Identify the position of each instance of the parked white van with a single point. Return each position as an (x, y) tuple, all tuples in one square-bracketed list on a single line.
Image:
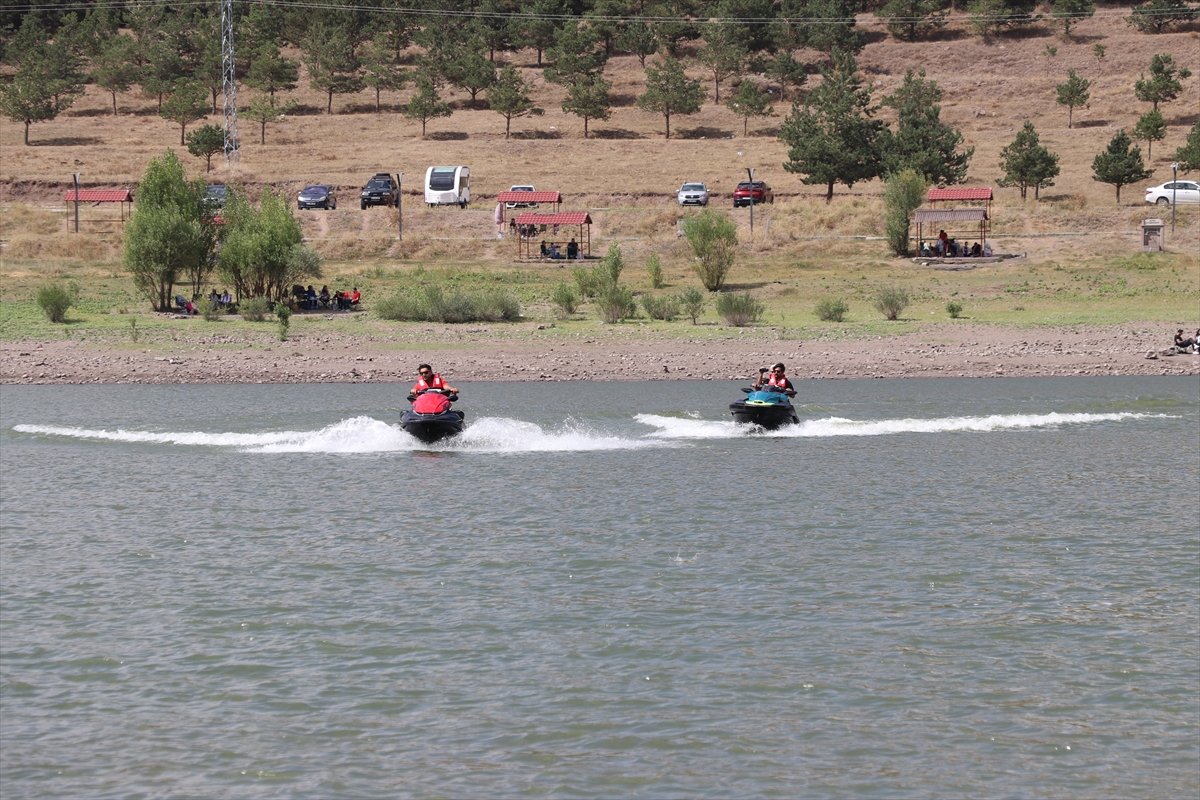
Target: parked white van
[(448, 186)]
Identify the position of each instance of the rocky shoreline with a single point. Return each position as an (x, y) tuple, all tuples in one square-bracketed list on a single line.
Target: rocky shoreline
[(532, 354)]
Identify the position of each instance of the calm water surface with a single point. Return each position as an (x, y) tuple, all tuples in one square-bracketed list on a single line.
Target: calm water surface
[(937, 588)]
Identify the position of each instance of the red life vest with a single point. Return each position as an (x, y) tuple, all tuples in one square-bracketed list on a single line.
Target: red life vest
[(435, 382), (779, 381)]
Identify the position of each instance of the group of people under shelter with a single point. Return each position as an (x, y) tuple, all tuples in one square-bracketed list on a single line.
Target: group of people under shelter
[(311, 299), (945, 247)]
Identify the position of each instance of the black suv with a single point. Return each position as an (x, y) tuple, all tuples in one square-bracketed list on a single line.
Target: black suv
[(380, 191)]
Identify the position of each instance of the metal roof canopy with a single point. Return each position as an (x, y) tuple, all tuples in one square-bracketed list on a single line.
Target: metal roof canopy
[(935, 216), (97, 196), (530, 197), (535, 220), (983, 193)]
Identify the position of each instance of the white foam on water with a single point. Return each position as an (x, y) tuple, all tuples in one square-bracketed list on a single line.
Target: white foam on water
[(367, 435), (673, 428)]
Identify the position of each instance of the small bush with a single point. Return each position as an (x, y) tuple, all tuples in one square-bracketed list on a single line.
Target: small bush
[(739, 310), (832, 309), (654, 269), (210, 312), (615, 302), (399, 307), (564, 299), (954, 309), (255, 309), (664, 307), (54, 299), (691, 301), (586, 280), (283, 314), (891, 300)]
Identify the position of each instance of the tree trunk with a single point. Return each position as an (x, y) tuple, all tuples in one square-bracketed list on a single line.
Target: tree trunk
[(1118, 195), (376, 99), (668, 116), (114, 94), (182, 131), (745, 126), (208, 162), (263, 133), (828, 194), (585, 120), (214, 94), (1070, 116), (507, 124), (27, 133), (329, 104)]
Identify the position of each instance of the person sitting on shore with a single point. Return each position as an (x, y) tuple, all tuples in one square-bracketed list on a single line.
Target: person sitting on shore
[(214, 299), (323, 297), (226, 299), (355, 298), (1185, 345), (976, 250), (428, 379), (776, 380), (572, 249)]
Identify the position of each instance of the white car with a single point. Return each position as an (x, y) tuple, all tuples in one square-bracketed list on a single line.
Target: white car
[(521, 205), (1177, 191), (693, 194)]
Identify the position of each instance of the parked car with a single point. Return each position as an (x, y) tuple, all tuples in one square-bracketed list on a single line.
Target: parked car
[(215, 197), (693, 194), (748, 193), (381, 190), (1179, 191), (521, 205), (316, 196)]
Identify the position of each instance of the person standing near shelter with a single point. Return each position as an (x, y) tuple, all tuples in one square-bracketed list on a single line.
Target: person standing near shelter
[(499, 219)]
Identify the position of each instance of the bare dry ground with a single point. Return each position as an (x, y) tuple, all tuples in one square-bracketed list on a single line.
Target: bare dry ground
[(1075, 242)]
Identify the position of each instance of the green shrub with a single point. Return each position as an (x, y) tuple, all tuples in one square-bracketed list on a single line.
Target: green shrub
[(832, 309), (210, 312), (713, 238), (255, 309), (739, 310), (564, 299), (665, 307), (891, 300), (434, 305), (654, 269), (54, 299), (954, 309), (615, 302), (691, 301), (586, 280), (903, 193), (283, 314)]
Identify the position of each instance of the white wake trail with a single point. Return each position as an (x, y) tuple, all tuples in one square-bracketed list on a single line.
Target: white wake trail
[(673, 428)]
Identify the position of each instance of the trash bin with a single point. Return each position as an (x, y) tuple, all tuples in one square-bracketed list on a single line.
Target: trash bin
[(1152, 235)]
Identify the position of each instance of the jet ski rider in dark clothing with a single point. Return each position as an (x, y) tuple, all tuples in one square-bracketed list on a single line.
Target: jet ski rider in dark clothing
[(775, 380)]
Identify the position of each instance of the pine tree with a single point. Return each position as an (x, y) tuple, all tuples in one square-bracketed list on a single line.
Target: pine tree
[(1120, 164), (1150, 128), (509, 97), (1164, 84), (426, 104), (786, 71), (114, 69), (206, 142), (1159, 16), (913, 20), (470, 71), (749, 101), (832, 138), (188, 102), (669, 91), (638, 40), (265, 110), (1068, 12), (270, 71), (381, 69), (825, 25), (1073, 93), (723, 55), (1027, 163), (1188, 156), (577, 53), (332, 62), (922, 142), (588, 99)]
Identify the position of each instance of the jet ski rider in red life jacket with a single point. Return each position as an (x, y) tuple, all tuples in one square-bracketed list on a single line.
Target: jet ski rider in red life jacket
[(776, 380), (429, 380)]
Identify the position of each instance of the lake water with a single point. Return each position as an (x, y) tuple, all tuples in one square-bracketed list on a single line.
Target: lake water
[(931, 588)]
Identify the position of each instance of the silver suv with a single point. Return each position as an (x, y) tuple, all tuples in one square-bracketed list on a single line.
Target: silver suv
[(693, 194)]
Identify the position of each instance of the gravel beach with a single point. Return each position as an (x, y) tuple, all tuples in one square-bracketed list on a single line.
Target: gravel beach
[(529, 352)]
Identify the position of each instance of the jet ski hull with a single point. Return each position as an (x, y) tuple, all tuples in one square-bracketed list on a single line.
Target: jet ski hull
[(767, 416), (430, 428)]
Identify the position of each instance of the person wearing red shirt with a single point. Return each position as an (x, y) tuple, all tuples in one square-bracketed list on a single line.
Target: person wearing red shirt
[(428, 379)]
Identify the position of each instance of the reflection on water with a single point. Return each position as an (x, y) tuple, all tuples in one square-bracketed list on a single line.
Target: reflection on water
[(928, 588)]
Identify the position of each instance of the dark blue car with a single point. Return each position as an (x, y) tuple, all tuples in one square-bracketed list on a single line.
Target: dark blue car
[(316, 196)]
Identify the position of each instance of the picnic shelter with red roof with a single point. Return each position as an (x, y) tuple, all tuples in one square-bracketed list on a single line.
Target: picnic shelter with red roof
[(531, 225), (95, 197)]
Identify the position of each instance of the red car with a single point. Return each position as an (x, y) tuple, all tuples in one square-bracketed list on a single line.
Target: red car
[(748, 193)]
